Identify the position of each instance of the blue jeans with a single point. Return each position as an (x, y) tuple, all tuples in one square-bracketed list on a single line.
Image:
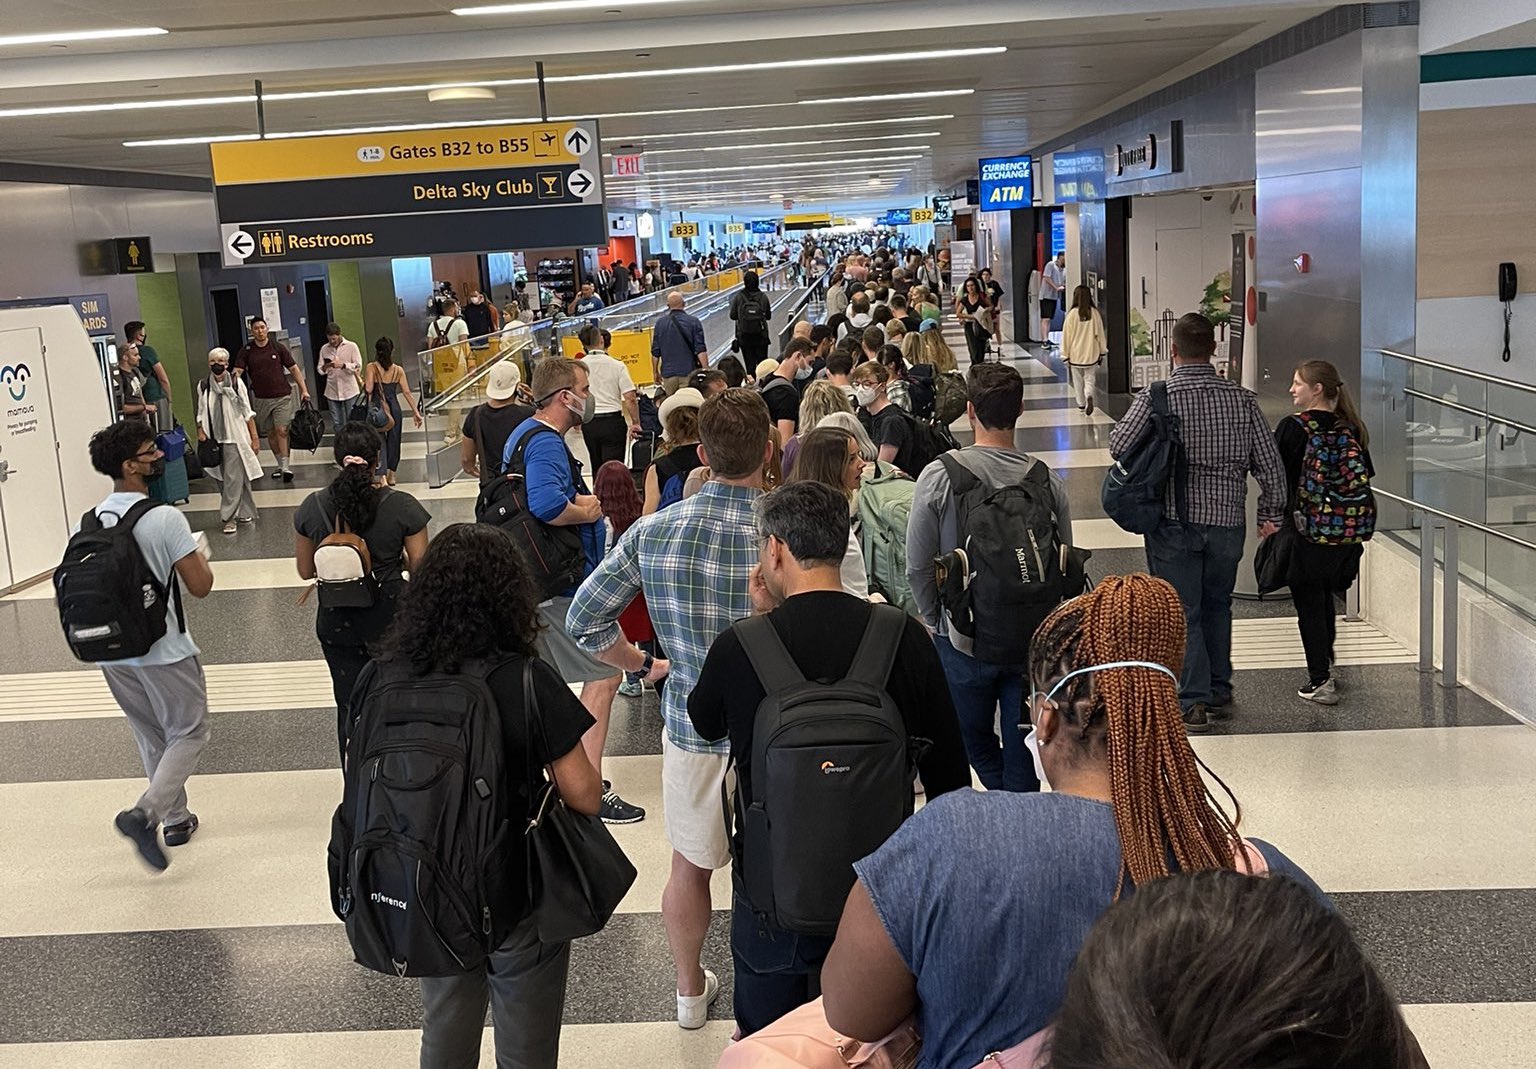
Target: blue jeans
[(776, 971), (339, 410), (978, 690), (1200, 561)]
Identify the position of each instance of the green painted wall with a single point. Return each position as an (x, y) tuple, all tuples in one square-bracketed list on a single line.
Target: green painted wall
[(160, 308), (347, 302)]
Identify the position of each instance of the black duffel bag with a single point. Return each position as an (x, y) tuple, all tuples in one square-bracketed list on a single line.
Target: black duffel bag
[(307, 429)]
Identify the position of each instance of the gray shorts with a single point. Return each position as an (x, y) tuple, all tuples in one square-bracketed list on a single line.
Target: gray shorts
[(273, 412), (558, 648)]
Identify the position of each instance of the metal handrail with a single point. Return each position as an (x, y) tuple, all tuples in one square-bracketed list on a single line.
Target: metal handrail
[(714, 357), (1410, 358), (1453, 518), (1468, 409), (805, 300)]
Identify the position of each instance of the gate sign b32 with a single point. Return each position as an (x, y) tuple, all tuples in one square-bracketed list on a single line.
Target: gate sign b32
[(1007, 182)]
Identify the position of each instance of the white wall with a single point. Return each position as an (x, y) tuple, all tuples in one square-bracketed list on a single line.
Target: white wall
[(1444, 24)]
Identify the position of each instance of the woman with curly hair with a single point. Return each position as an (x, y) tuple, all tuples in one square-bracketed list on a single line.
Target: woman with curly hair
[(471, 610), (1016, 880), (394, 526)]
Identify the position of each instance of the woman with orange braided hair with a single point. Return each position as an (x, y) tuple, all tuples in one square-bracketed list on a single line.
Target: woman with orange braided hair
[(971, 914)]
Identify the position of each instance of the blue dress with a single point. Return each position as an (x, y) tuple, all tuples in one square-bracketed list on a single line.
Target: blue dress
[(389, 460)]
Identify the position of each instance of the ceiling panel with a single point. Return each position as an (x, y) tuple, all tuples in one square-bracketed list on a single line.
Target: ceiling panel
[(1056, 71)]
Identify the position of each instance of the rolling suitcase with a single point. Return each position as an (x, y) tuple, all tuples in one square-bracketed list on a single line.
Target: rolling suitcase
[(172, 487)]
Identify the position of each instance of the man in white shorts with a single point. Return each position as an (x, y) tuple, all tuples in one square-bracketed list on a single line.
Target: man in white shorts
[(693, 562)]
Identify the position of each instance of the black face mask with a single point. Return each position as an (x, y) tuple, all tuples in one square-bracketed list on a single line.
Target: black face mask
[(218, 369), (156, 468)]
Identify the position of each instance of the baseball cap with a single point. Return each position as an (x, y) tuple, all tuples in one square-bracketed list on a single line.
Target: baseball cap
[(503, 381)]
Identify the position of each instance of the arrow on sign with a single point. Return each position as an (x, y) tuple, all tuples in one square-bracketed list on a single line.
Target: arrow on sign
[(240, 244), (579, 183), (576, 141)]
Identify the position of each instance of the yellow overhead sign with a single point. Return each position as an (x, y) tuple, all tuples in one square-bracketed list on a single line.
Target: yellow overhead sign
[(922, 215), (685, 230), (455, 148), (809, 217), (735, 228)]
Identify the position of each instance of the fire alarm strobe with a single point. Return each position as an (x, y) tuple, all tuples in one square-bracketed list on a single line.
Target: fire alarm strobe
[(1303, 263)]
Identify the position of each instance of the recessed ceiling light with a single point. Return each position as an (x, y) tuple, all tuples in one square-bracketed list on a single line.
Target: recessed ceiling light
[(892, 96), (21, 40), (124, 105), (462, 92)]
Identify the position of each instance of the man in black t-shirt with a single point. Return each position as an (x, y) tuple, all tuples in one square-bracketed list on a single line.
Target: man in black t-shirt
[(782, 390), (798, 585), (487, 427)]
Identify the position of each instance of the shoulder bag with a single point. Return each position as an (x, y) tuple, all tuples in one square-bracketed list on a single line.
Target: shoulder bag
[(577, 873), (210, 451)]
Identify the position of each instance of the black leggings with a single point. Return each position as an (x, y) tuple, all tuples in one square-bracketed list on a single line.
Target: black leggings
[(754, 350), (1318, 575)]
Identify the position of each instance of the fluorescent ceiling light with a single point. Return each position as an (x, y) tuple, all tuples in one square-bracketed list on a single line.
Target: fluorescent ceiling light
[(860, 164), (461, 92), (379, 90), (20, 40), (123, 105), (403, 127), (785, 64), (891, 96), (701, 186), (543, 7), (783, 144), (738, 131), (855, 153)]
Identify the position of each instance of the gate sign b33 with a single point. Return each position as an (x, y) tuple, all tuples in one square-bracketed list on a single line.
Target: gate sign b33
[(1007, 182)]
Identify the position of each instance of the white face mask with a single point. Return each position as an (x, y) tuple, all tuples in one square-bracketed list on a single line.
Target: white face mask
[(865, 395), (1032, 740)]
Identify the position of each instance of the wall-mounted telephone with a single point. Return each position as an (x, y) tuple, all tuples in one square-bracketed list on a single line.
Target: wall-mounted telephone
[(1509, 286)]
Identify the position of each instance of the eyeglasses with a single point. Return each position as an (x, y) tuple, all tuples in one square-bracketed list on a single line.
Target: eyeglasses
[(150, 454)]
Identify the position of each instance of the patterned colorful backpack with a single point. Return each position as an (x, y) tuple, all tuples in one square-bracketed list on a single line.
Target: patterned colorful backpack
[(1334, 503)]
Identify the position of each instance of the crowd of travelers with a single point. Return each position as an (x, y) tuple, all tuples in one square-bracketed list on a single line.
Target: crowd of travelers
[(843, 614)]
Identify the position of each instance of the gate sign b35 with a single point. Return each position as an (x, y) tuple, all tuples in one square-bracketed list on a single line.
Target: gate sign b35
[(1007, 182)]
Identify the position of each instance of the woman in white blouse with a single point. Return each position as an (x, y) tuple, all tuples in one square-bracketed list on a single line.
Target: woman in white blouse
[(224, 415), (1083, 345)]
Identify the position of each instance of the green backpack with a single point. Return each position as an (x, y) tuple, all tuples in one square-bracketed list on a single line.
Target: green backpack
[(885, 502)]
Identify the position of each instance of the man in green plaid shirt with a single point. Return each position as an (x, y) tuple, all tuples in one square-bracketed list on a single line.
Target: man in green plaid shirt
[(695, 563)]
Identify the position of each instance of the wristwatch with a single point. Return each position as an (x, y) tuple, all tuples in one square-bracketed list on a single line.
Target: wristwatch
[(645, 669)]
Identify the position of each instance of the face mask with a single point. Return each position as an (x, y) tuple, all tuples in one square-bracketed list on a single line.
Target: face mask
[(1032, 741), (218, 369), (587, 410), (865, 395), (803, 373), (156, 468)]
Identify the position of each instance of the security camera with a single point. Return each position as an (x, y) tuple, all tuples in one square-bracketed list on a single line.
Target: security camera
[(1207, 196)]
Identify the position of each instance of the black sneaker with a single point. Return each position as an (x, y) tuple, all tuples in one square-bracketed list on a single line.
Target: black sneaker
[(136, 825), (1197, 719), (1220, 706), (178, 834), (616, 810), (1324, 693), (1088, 410), (287, 475)]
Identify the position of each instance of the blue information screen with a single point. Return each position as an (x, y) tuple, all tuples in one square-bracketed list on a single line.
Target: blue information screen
[(1007, 182), (897, 217), (765, 226), (1058, 232)]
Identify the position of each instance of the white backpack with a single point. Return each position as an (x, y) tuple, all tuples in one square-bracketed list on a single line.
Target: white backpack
[(344, 569)]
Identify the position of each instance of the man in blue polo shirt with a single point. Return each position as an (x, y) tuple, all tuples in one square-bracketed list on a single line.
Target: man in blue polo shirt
[(677, 345), (559, 496)]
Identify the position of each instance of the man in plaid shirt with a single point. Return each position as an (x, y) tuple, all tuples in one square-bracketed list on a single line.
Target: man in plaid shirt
[(694, 562), (1199, 544)]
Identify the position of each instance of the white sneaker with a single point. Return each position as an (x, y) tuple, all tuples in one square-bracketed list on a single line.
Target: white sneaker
[(693, 1010)]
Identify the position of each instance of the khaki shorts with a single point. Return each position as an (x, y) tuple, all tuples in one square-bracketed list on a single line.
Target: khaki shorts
[(558, 649), (273, 412), (692, 813)]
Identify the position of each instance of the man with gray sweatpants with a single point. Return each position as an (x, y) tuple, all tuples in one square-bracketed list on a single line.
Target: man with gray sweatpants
[(162, 693)]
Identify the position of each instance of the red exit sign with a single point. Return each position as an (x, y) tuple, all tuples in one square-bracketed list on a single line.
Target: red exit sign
[(628, 166)]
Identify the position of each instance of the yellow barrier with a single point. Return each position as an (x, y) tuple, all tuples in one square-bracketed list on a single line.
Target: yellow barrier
[(632, 348), (723, 280)]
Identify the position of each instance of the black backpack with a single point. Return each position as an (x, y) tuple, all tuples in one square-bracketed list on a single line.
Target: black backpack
[(831, 777), (930, 440), (1135, 489), (554, 555), (111, 603), (420, 844), (1010, 568), (752, 312)]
